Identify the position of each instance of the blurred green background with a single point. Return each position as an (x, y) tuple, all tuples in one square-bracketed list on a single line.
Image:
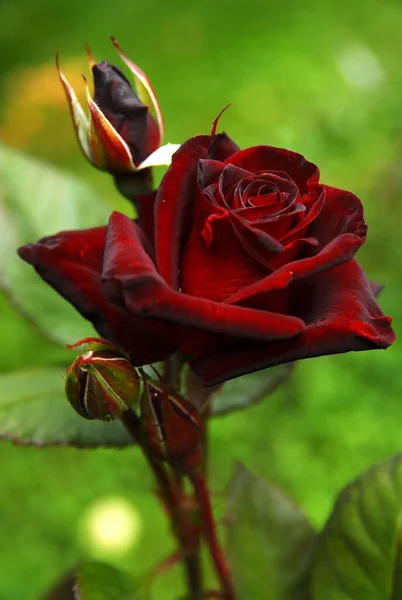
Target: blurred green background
[(322, 78)]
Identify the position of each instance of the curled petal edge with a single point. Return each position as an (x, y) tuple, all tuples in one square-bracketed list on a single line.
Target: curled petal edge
[(348, 320), (145, 91)]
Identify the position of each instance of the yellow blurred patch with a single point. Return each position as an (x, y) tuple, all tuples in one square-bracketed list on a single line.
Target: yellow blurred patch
[(35, 102), (112, 525)]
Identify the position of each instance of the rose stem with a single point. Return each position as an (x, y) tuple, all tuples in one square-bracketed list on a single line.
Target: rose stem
[(171, 496), (210, 534)]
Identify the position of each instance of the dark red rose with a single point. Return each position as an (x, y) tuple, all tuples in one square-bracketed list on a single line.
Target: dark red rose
[(251, 265), (71, 262)]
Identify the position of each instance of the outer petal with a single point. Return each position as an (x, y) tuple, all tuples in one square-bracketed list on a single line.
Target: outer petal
[(109, 150), (71, 263), (340, 250), (174, 205), (268, 158), (222, 147), (80, 120), (176, 199), (342, 212), (209, 171), (144, 88), (131, 278), (345, 316)]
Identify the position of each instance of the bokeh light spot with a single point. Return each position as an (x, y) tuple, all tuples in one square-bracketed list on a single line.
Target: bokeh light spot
[(360, 67), (111, 525)]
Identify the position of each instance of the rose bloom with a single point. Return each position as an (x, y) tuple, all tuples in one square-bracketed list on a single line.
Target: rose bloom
[(241, 259)]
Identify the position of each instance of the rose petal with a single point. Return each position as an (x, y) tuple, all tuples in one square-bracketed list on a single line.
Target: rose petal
[(213, 242), (131, 277), (295, 232), (109, 150), (257, 243), (145, 204), (71, 263), (228, 178), (268, 158), (339, 222), (174, 204), (345, 317), (208, 172), (341, 212), (144, 89), (222, 147), (258, 215), (293, 250), (338, 251), (176, 198), (276, 225)]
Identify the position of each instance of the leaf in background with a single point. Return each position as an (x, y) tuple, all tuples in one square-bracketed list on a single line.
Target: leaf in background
[(248, 390), (269, 541), (34, 410), (38, 200), (98, 581), (358, 554)]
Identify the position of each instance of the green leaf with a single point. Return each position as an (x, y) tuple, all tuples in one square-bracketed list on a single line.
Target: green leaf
[(359, 551), (248, 390), (35, 411), (98, 581), (38, 200), (269, 541)]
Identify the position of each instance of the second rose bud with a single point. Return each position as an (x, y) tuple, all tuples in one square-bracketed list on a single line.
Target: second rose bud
[(124, 129), (103, 384)]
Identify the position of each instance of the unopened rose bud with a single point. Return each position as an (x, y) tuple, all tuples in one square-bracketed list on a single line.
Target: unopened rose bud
[(173, 427), (101, 383), (124, 129), (125, 111)]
